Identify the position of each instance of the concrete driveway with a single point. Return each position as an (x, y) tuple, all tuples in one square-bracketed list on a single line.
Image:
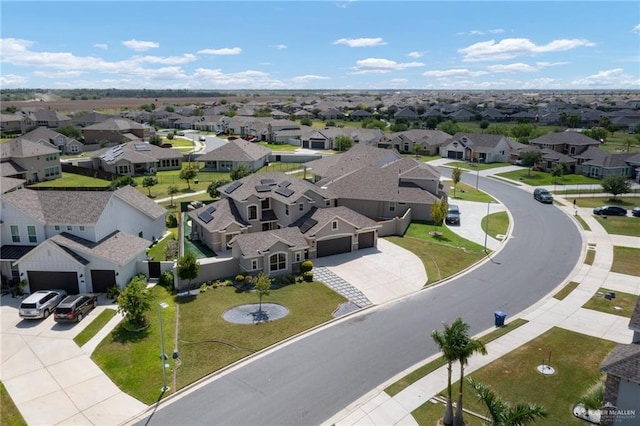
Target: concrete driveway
[(382, 273), (51, 379)]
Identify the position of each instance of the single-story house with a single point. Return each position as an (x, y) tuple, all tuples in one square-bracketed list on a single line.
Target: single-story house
[(136, 158), (234, 153)]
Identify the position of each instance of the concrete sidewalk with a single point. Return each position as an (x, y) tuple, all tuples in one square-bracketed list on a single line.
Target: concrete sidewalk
[(378, 408)]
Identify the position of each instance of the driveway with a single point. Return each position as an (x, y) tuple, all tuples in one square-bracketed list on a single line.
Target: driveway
[(51, 379), (382, 273)]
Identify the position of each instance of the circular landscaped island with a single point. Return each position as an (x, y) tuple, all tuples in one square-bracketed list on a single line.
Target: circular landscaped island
[(252, 314)]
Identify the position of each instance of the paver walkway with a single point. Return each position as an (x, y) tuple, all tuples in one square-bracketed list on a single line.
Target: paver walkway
[(340, 286)]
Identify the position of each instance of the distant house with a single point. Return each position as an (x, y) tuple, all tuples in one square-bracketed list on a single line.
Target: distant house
[(80, 241), (360, 114), (115, 131), (30, 161), (594, 162), (11, 124), (234, 153), (476, 147), (283, 131), (86, 118), (56, 140), (136, 158), (427, 141), (331, 113), (407, 113), (622, 385), (45, 117)]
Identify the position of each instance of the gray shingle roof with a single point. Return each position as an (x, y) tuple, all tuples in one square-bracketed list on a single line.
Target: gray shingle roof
[(634, 322), (249, 183), (116, 124), (570, 138), (139, 201), (255, 244), (624, 362), (24, 148), (149, 153), (117, 247), (237, 150), (324, 216), (225, 214), (357, 157)]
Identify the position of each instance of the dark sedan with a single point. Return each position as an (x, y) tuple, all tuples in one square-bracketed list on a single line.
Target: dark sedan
[(610, 211), (74, 308), (635, 212)]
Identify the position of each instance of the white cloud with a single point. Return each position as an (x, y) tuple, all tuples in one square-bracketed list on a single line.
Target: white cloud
[(140, 46), (513, 47), (518, 67), (612, 79), (246, 79), (307, 78), (59, 74), (12, 80), (345, 4), (223, 51), (381, 66), (168, 60), (479, 32), (415, 55), (361, 42), (279, 46), (455, 72), (636, 29), (103, 46)]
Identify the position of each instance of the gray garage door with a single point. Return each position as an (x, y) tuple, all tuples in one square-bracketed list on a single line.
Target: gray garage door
[(334, 246), (455, 154), (44, 280), (102, 280), (317, 144), (365, 240)]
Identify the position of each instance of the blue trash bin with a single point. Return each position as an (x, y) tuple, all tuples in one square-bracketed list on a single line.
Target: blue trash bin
[(499, 318)]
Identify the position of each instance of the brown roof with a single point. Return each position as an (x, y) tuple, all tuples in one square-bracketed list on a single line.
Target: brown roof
[(255, 244), (623, 362)]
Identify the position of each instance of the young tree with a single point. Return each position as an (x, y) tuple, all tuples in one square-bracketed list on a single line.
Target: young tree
[(148, 182), (342, 143), (239, 171), (155, 140), (188, 268), (438, 212), (134, 301), (122, 181), (416, 150), (616, 185), (262, 285), (530, 159), (172, 190), (212, 189), (557, 171), (456, 175), (70, 131), (501, 412), (449, 127), (448, 340), (465, 350), (187, 174)]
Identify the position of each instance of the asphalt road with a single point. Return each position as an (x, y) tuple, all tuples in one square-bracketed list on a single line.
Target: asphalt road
[(307, 382)]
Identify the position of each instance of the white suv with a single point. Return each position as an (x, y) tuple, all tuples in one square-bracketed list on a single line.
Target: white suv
[(41, 303)]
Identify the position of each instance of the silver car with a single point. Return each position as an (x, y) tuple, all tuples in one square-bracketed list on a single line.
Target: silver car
[(41, 303)]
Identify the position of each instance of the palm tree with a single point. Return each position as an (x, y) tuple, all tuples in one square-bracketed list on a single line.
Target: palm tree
[(449, 340), (468, 347), (501, 412)]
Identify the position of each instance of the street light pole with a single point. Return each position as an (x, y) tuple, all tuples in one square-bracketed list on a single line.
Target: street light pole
[(486, 228), (477, 176), (163, 357)]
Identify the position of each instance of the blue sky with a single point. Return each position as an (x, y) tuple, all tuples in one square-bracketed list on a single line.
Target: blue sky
[(219, 45)]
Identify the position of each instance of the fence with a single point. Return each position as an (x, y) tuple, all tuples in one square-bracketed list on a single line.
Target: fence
[(84, 171)]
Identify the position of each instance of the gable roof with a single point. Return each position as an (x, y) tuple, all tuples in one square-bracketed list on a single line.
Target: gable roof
[(322, 217), (225, 214), (358, 156), (116, 124), (272, 183), (237, 150), (136, 152), (634, 322), (258, 243), (478, 141), (24, 148), (117, 247), (560, 138), (623, 362), (140, 202)]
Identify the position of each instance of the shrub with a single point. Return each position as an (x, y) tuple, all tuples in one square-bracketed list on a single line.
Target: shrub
[(308, 276), (203, 288), (166, 280), (172, 221), (239, 278), (306, 266), (113, 292)]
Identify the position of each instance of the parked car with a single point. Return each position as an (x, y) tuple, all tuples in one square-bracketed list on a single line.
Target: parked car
[(74, 308), (453, 215), (610, 211), (180, 133), (635, 212), (40, 304), (543, 195), (202, 139)]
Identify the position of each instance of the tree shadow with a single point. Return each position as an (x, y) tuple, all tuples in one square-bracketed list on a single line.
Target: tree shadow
[(122, 334)]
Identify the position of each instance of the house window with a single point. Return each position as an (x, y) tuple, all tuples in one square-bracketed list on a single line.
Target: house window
[(392, 206), (69, 228), (298, 256), (265, 204), (252, 212), (334, 225), (286, 210), (301, 207), (15, 234), (278, 262), (254, 264), (328, 203), (73, 148), (31, 232), (56, 227), (51, 171), (572, 150), (81, 228)]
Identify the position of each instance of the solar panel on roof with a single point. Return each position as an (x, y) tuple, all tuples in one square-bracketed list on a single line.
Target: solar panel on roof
[(310, 223), (142, 147), (263, 188), (210, 209), (205, 216), (285, 184), (267, 181), (233, 187), (285, 192), (112, 153)]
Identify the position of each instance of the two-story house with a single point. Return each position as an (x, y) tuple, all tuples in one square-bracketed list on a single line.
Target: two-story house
[(62, 143), (31, 161), (80, 241), (115, 131)]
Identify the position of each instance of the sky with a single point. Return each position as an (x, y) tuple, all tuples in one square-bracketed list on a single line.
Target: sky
[(313, 45)]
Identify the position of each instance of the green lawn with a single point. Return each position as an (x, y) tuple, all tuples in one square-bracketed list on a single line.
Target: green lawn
[(543, 178), (620, 225), (443, 255), (206, 342), (182, 144), (566, 290), (626, 202), (625, 260), (157, 252), (476, 166), (623, 304), (10, 415), (590, 257), (582, 222), (430, 367), (498, 224), (279, 147), (470, 193), (575, 357), (73, 180), (96, 325)]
